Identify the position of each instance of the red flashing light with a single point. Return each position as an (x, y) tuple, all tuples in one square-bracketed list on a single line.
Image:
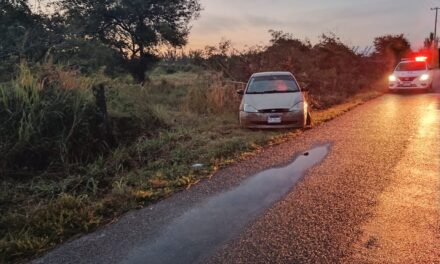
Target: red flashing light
[(421, 58)]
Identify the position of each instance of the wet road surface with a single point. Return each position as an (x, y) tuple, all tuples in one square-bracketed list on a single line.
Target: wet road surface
[(210, 224), (372, 196)]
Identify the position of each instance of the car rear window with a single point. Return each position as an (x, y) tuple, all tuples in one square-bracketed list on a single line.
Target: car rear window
[(412, 66), (272, 84)]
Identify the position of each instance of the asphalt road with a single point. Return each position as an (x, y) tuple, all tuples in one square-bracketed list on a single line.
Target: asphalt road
[(363, 188)]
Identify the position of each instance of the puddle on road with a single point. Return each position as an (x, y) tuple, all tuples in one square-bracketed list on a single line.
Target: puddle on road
[(210, 224)]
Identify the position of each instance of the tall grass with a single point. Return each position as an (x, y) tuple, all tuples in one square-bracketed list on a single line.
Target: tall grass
[(57, 169), (214, 95), (46, 119)]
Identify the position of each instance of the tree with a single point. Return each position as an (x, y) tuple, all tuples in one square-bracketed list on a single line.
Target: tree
[(136, 29), (23, 35), (391, 48), (427, 44)]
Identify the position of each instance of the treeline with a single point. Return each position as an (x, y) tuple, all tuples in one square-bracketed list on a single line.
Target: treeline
[(330, 69), (129, 35)]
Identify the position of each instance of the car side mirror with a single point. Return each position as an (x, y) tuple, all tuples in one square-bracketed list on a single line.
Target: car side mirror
[(240, 92)]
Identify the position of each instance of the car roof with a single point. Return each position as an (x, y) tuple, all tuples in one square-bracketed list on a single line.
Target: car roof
[(260, 74)]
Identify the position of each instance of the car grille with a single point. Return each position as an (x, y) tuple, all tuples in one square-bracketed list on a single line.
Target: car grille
[(407, 79), (277, 110), (264, 123)]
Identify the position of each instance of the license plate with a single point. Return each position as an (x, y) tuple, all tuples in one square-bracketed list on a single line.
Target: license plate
[(407, 84), (274, 120)]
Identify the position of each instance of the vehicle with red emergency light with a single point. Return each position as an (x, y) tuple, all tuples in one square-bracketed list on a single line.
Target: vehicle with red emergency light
[(414, 74)]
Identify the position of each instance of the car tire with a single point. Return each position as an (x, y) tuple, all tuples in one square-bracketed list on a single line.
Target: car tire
[(240, 124), (430, 89), (308, 121)]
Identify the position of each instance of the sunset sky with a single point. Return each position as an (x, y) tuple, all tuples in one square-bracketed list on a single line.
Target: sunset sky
[(356, 22)]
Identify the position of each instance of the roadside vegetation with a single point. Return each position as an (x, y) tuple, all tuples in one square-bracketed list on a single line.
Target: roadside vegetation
[(84, 138)]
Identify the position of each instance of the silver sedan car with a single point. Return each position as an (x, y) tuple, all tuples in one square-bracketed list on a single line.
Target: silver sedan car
[(273, 100)]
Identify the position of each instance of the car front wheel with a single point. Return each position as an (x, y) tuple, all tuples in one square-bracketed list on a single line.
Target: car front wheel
[(308, 120)]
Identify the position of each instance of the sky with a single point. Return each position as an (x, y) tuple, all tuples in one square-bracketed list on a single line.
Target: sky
[(356, 22)]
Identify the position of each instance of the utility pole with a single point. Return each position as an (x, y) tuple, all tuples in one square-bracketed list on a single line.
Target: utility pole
[(434, 48), (436, 16)]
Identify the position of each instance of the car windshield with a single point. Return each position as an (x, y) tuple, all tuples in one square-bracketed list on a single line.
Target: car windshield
[(272, 84), (411, 66)]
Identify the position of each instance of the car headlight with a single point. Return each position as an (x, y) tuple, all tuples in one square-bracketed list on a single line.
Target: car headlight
[(298, 107), (424, 77), (249, 109), (392, 78)]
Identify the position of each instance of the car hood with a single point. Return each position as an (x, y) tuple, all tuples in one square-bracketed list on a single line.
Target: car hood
[(409, 73), (273, 101)]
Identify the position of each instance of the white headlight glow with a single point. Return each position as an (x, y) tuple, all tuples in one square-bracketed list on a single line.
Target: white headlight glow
[(424, 77)]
